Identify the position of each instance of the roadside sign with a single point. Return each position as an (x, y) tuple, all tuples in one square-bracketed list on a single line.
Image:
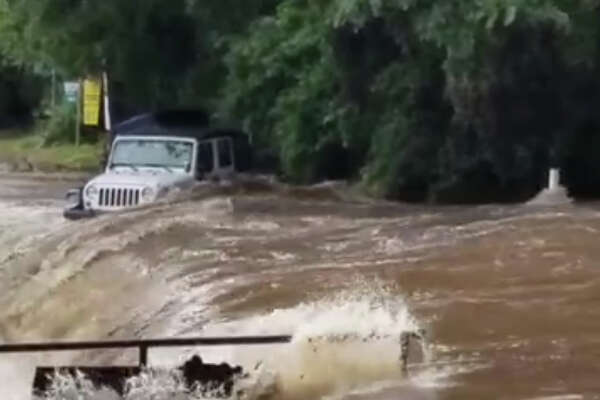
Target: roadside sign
[(71, 91), (92, 90)]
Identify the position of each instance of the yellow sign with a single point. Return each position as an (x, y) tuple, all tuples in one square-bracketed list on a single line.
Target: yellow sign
[(92, 97)]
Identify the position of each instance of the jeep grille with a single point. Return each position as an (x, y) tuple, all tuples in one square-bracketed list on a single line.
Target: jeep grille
[(119, 197)]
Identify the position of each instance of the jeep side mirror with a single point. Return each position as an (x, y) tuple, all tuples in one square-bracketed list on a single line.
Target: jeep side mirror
[(73, 195)]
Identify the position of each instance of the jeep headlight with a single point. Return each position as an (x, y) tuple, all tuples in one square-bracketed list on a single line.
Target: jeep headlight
[(91, 191), (147, 193)]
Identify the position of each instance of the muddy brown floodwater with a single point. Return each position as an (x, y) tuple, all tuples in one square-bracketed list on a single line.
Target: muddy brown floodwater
[(509, 295)]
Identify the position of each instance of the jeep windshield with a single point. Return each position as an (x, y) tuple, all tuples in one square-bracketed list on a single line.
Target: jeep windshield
[(141, 153)]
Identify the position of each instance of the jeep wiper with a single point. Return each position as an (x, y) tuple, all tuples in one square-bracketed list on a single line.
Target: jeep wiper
[(123, 165)]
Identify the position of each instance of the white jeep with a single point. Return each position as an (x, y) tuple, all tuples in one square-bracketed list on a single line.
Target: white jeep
[(151, 155)]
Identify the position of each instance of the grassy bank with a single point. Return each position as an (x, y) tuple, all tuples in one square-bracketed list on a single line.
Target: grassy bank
[(25, 153)]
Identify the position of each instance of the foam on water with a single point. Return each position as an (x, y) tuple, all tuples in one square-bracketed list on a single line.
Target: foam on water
[(16, 375), (341, 343), (334, 347), (551, 197), (21, 227)]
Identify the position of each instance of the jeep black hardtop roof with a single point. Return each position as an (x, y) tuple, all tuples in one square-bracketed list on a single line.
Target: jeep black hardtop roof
[(184, 123)]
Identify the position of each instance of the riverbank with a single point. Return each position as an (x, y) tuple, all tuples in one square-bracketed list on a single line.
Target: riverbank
[(21, 153)]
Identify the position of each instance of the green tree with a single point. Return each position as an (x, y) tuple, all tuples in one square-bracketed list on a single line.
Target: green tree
[(466, 100), (430, 98)]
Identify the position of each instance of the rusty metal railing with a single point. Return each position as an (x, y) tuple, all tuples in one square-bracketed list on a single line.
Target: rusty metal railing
[(143, 345)]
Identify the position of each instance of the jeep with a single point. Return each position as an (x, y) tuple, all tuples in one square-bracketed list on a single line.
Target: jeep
[(152, 154)]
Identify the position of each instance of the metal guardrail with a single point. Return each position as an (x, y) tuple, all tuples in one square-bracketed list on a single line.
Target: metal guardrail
[(143, 345), (114, 376)]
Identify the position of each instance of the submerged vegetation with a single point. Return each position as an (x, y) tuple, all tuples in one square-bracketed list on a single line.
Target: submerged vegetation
[(451, 101)]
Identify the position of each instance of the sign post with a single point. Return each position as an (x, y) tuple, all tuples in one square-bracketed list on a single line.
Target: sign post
[(53, 90), (78, 122)]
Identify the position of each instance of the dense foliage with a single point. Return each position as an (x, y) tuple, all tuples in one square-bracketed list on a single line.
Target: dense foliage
[(466, 100), (21, 91)]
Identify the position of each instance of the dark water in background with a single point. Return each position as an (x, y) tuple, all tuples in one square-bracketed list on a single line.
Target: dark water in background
[(509, 295)]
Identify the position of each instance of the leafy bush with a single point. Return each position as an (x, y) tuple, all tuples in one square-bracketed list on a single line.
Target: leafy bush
[(60, 127)]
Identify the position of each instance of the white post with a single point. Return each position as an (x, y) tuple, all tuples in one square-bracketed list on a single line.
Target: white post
[(107, 121), (554, 178)]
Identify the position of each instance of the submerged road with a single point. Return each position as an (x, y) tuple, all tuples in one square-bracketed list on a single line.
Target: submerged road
[(508, 294)]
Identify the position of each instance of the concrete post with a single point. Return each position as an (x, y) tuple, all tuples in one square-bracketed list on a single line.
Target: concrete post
[(553, 178)]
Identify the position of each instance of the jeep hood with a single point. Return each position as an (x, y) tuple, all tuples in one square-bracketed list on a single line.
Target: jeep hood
[(141, 178)]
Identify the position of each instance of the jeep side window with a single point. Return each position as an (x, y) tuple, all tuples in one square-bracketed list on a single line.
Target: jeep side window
[(206, 157), (225, 159)]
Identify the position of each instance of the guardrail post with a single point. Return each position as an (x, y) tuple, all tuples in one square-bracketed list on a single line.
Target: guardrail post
[(405, 338), (404, 346), (143, 356)]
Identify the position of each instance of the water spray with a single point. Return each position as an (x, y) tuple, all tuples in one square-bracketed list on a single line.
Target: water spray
[(195, 370)]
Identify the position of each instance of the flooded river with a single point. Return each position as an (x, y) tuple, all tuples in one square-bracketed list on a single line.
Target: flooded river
[(509, 295)]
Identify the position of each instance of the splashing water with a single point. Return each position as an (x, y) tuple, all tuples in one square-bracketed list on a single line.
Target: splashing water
[(347, 340), (340, 343), (66, 387), (155, 384)]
